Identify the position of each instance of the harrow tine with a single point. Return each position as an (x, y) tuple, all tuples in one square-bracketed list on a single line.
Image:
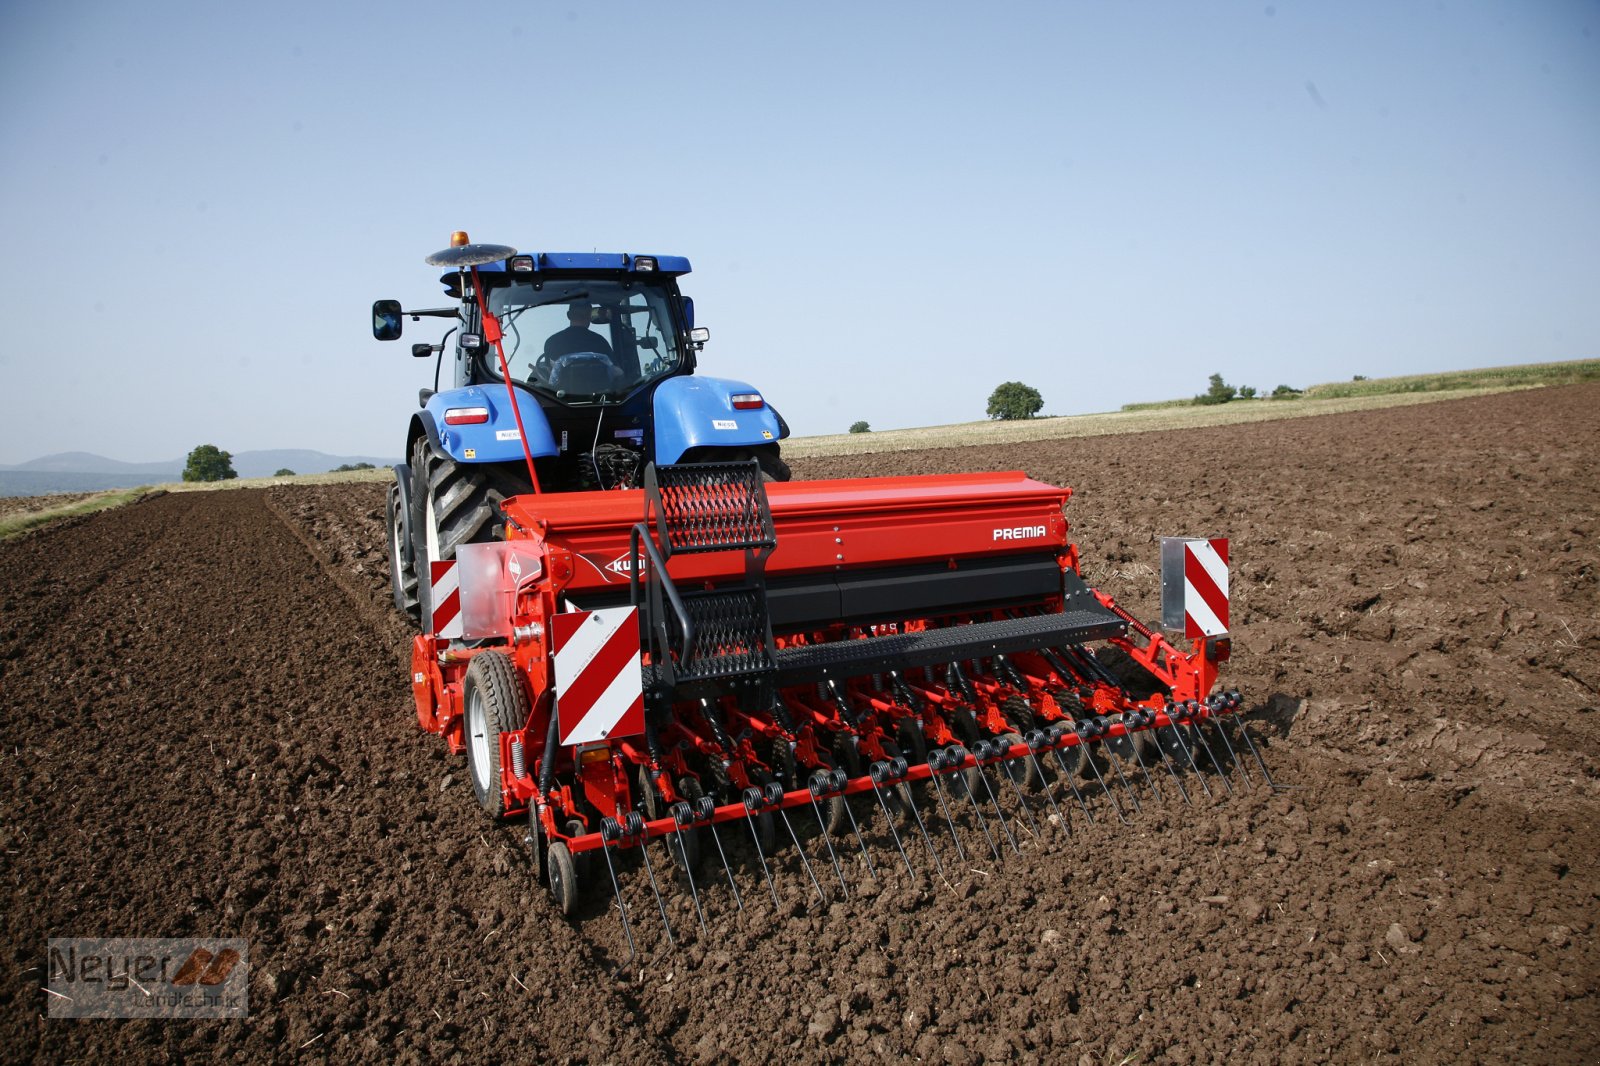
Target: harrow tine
[(1067, 774), (610, 829), (681, 816), (1233, 756), (707, 804), (928, 840), (636, 829), (1199, 731), (1005, 772), (856, 829), (980, 751), (1116, 764), (877, 769), (1245, 733), (1144, 769), (1178, 735), (826, 839), (1036, 740), (775, 794), (752, 800), (1161, 751), (936, 761), (1088, 757), (957, 755)]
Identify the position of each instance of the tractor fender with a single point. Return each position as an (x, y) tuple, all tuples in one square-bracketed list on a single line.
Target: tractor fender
[(698, 412), (402, 482), (492, 441)]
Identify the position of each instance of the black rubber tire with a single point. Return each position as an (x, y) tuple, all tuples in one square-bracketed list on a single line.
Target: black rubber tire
[(493, 702), (563, 879), (537, 852), (466, 502), (402, 563), (773, 468)]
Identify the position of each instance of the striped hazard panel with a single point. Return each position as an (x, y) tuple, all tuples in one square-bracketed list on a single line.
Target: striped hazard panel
[(599, 689), (1205, 588), (446, 598)]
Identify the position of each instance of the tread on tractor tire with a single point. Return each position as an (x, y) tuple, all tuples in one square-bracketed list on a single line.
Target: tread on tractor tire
[(494, 702), (402, 559), (454, 504)]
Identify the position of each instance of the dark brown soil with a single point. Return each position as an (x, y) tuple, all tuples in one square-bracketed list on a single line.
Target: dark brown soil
[(207, 731)]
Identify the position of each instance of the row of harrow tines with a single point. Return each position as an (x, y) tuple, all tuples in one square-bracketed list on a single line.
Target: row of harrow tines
[(906, 767)]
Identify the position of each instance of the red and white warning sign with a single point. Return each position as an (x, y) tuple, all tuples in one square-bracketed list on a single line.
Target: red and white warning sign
[(1194, 585), (446, 598), (599, 690)]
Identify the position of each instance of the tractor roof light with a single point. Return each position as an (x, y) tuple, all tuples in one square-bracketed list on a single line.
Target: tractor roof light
[(747, 401), (466, 416), (644, 262), (459, 238), (471, 342), (522, 264)]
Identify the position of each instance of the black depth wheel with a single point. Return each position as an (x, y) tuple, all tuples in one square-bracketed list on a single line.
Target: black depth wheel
[(563, 879), (495, 702)]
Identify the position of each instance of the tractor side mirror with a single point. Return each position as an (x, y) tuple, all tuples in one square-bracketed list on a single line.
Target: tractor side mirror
[(386, 315), (688, 312), (649, 343), (421, 351)]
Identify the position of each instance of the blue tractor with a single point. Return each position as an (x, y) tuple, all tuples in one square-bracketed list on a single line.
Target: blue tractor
[(601, 350)]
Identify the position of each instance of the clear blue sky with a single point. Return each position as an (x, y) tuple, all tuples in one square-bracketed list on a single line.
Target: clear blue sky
[(890, 208)]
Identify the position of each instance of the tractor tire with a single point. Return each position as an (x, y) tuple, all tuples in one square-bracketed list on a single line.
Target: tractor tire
[(402, 562), (454, 504), (773, 468), (563, 879), (494, 702)]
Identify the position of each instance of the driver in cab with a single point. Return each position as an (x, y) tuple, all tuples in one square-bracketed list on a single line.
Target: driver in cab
[(577, 337)]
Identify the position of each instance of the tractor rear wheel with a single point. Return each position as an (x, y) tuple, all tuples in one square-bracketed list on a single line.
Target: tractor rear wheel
[(495, 703), (454, 504), (402, 561)]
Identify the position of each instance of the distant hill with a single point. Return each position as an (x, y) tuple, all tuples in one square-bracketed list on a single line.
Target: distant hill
[(87, 472)]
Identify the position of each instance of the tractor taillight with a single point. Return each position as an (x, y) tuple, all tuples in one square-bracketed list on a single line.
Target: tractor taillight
[(746, 401), (466, 416), (458, 238)]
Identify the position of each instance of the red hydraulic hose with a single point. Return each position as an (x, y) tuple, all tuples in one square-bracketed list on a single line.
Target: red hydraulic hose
[(491, 333)]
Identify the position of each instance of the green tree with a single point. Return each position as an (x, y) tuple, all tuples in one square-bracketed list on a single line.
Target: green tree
[(209, 463), (1247, 392), (1285, 392), (1219, 392), (860, 427), (345, 468), (284, 472), (1012, 400)]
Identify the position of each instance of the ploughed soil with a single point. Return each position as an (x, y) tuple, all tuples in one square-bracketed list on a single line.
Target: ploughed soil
[(208, 731)]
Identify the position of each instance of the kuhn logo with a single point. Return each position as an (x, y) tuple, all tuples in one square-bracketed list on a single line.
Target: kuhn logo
[(624, 565), (1019, 533)]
